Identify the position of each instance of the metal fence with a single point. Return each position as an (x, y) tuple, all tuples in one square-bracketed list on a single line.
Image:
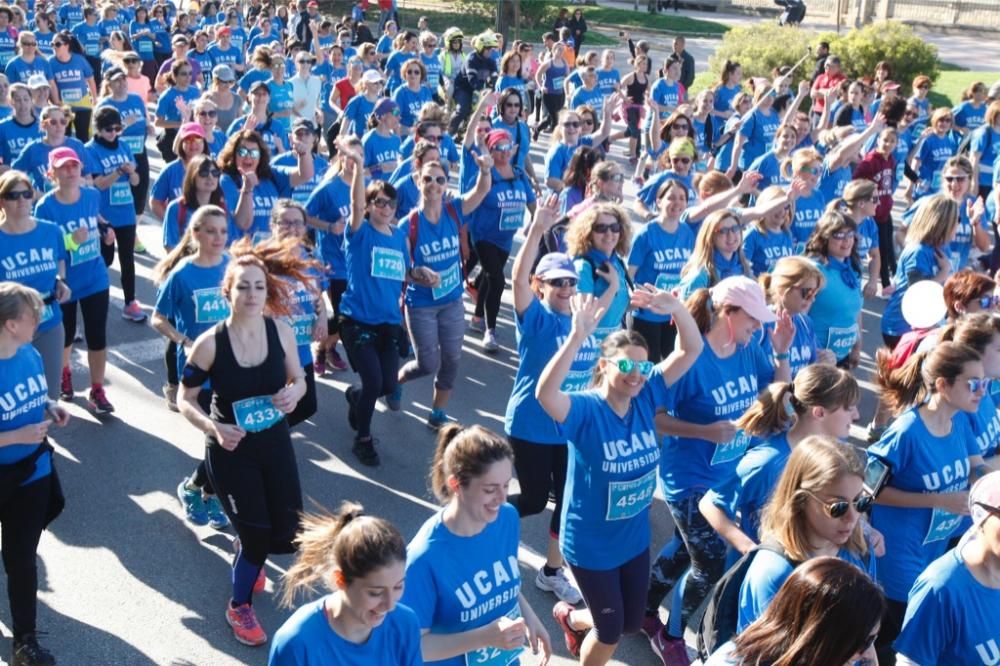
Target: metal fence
[(979, 14)]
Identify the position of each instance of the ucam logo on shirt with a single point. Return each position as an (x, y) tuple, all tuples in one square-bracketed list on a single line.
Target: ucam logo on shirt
[(29, 262), (495, 585), (622, 456), (23, 397), (953, 475), (989, 652), (742, 390), (439, 250)]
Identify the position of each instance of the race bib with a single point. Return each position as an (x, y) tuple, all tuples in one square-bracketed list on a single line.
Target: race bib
[(627, 499), (388, 264), (936, 182), (450, 279), (841, 340), (256, 414), (492, 656), (88, 250), (956, 260), (134, 143), (145, 46), (731, 450), (121, 194), (576, 380), (557, 83), (666, 281), (303, 327), (512, 220), (48, 312), (71, 95), (210, 306), (943, 523), (260, 236)]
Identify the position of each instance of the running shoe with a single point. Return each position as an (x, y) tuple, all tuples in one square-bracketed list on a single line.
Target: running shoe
[(217, 518), (558, 584), (574, 637), (651, 626), (364, 451), (27, 652), (671, 651), (319, 361), (490, 343), (98, 401), (133, 312), (245, 626), (334, 359), (66, 385), (170, 395), (395, 399), (351, 395), (477, 325), (139, 247), (193, 504), (437, 419), (258, 585)]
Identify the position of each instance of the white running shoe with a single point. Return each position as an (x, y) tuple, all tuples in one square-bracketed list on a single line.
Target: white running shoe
[(559, 585)]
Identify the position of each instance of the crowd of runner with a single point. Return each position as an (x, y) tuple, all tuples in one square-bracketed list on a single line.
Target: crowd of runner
[(332, 194)]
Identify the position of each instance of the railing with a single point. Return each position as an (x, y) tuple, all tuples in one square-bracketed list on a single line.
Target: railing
[(979, 14)]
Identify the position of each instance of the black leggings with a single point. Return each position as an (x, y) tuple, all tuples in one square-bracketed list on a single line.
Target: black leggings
[(22, 519), (616, 597), (892, 624), (95, 320), (125, 240), (886, 252), (553, 103), (376, 360), (307, 405), (141, 190), (490, 283), (200, 478), (541, 468), (170, 360), (659, 337), (335, 291), (81, 123)]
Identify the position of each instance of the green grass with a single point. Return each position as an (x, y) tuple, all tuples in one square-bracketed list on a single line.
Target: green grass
[(642, 19), (472, 25), (947, 90)]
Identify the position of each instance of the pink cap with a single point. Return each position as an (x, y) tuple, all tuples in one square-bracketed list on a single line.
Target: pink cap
[(61, 156), (496, 136), (225, 30), (191, 129), (744, 293), (984, 496)]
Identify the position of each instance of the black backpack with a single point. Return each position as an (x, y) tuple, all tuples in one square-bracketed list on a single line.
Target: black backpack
[(715, 621)]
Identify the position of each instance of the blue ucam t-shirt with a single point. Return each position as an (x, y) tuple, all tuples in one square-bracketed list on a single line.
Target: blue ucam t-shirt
[(23, 399), (89, 37), (769, 570), (376, 269), (758, 133), (833, 181), (19, 70), (714, 389), (34, 161), (540, 333), (658, 257), (71, 79), (950, 616), (608, 80), (14, 137), (381, 154), (742, 496), (916, 262), (611, 476), (302, 192), (933, 152), (32, 259), (867, 238), (86, 273), (502, 213), (559, 155), (921, 463), (985, 143), (804, 345), (834, 313), (170, 183), (410, 103), (769, 167), (330, 202), (306, 638), (969, 116), (437, 247), (666, 94), (117, 206), (805, 214), (265, 194), (763, 248), (166, 106), (356, 114), (594, 97), (303, 316), (459, 583), (191, 299), (985, 425)]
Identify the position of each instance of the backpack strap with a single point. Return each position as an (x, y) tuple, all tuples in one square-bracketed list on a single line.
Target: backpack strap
[(463, 234), (414, 220), (181, 217)]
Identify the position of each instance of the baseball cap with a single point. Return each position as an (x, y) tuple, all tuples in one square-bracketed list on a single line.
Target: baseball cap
[(38, 81), (225, 30), (994, 92), (372, 76), (258, 85), (984, 498), (223, 73), (114, 73), (745, 294), (496, 136), (384, 106), (889, 85), (556, 265), (191, 129), (61, 156), (304, 123)]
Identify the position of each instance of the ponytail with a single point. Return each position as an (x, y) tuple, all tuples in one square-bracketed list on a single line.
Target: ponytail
[(464, 453), (699, 304), (772, 412), (186, 247), (782, 403), (910, 384)]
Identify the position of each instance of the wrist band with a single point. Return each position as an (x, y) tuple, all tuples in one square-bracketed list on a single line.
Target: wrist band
[(782, 357)]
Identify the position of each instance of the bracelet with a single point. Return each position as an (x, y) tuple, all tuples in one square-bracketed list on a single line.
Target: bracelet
[(782, 357)]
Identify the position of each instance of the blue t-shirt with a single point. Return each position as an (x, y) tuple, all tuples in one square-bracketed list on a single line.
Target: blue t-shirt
[(281, 101), (410, 103), (133, 113), (769, 167), (170, 182), (174, 224), (89, 37), (34, 161), (18, 70), (437, 247), (381, 153), (921, 463), (666, 94), (356, 114), (834, 313), (459, 583), (32, 259), (933, 152), (71, 79), (502, 213), (302, 192), (969, 116), (14, 137), (916, 262), (714, 389), (23, 399), (376, 268), (758, 133), (145, 44), (659, 256), (804, 345), (986, 143), (86, 273), (699, 278), (806, 213), (331, 202), (221, 56), (985, 425), (166, 105), (8, 46), (592, 283), (432, 63), (191, 299), (306, 638), (607, 80), (833, 181), (763, 249), (265, 194), (950, 617), (540, 333), (302, 319), (117, 204), (559, 155), (867, 238), (593, 97), (724, 96), (647, 193), (611, 477)]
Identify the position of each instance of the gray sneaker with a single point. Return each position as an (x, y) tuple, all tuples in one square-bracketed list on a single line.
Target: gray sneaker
[(490, 343), (559, 585)]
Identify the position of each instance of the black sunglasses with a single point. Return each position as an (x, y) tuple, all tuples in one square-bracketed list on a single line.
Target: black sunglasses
[(559, 283), (862, 503), (14, 195), (212, 171)]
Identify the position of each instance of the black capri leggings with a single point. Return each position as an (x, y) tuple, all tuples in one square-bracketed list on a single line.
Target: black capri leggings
[(22, 519), (541, 469), (490, 283), (125, 241), (553, 103), (140, 192), (374, 354), (95, 321), (335, 291), (616, 597), (170, 360), (659, 337), (886, 252), (81, 123)]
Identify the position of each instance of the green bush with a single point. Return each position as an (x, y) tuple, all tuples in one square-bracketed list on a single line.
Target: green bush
[(761, 48), (895, 42)]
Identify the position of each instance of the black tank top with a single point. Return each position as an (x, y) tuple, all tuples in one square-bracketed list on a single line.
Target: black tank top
[(249, 389), (636, 90)]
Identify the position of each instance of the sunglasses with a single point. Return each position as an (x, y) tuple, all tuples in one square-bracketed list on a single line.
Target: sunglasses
[(58, 121), (955, 179), (559, 283), (843, 235), (56, 45), (627, 365), (680, 128), (286, 224), (248, 152), (616, 178), (440, 180), (812, 171), (862, 503), (413, 72), (512, 105), (989, 301), (29, 43), (614, 227), (208, 113), (186, 72), (808, 293), (574, 124), (384, 203), (682, 160), (14, 195), (979, 384), (503, 148), (306, 61), (210, 172), (945, 121), (733, 229), (112, 128), (131, 61), (587, 121)]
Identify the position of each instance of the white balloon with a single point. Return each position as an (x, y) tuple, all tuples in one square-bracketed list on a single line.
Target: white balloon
[(923, 304)]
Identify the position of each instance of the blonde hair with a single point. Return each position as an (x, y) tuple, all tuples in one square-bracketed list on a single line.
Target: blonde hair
[(935, 221), (703, 255), (789, 272), (773, 193), (799, 159), (782, 403), (578, 241), (14, 298), (816, 463), (855, 192)]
